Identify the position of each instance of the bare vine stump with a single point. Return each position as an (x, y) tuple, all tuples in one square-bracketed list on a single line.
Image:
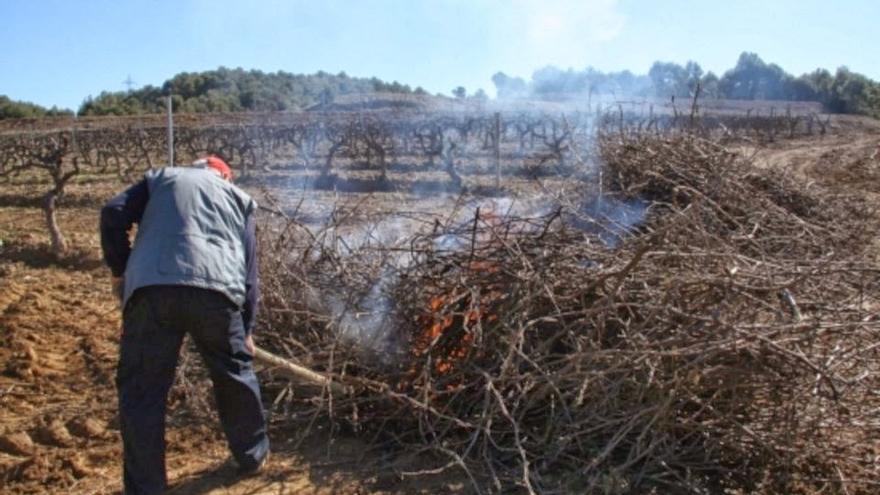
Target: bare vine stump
[(59, 244)]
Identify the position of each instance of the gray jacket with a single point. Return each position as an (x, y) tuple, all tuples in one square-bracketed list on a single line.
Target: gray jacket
[(192, 233)]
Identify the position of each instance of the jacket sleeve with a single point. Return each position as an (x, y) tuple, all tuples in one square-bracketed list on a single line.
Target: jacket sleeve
[(117, 218), (252, 282)]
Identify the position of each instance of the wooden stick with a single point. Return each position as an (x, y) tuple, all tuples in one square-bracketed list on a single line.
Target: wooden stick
[(297, 372)]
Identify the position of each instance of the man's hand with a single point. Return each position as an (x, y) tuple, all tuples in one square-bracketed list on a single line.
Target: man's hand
[(117, 285), (249, 343)]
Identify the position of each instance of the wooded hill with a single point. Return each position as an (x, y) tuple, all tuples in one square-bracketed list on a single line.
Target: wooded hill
[(239, 90)]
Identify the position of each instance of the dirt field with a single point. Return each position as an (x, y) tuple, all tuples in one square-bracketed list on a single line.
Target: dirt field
[(59, 329)]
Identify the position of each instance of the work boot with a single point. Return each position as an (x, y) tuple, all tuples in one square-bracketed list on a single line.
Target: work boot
[(246, 472)]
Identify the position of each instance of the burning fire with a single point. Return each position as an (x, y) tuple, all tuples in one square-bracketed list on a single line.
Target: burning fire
[(450, 319), (448, 328)]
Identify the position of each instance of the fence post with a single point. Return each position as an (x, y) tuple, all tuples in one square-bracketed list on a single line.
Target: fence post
[(170, 132), (497, 150)]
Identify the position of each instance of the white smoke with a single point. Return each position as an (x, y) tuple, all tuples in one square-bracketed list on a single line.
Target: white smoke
[(535, 33)]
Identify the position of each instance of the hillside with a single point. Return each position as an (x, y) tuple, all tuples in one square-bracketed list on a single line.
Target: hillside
[(238, 90)]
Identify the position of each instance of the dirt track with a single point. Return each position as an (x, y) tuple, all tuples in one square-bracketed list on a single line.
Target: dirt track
[(58, 345)]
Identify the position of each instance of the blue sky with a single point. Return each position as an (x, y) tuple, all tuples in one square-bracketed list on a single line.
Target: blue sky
[(57, 52)]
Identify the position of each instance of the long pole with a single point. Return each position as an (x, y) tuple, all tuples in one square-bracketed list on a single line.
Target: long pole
[(170, 132), (297, 372)]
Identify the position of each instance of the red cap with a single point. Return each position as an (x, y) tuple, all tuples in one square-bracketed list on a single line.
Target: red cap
[(218, 165)]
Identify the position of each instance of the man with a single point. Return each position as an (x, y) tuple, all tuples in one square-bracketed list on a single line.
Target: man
[(193, 269)]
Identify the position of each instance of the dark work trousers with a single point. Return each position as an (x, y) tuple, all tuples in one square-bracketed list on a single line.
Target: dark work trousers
[(154, 323)]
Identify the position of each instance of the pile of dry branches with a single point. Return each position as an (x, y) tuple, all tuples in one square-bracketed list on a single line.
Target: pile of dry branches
[(731, 342)]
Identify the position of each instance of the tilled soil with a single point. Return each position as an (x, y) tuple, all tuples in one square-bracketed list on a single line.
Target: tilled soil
[(57, 351)]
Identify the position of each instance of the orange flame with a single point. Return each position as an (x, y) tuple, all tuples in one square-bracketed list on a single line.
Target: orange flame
[(451, 317)]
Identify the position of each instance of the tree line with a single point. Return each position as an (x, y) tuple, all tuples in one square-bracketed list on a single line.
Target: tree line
[(12, 109), (751, 78), (239, 90), (220, 90)]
